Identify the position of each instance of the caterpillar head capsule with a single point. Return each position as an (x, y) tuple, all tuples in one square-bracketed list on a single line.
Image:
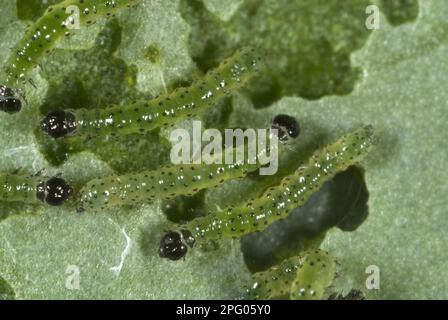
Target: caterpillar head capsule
[(287, 127), (174, 245), (58, 124), (9, 102), (54, 191)]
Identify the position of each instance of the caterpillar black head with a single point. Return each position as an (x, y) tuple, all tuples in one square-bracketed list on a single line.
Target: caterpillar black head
[(54, 191), (174, 245), (287, 127), (59, 124), (9, 101)]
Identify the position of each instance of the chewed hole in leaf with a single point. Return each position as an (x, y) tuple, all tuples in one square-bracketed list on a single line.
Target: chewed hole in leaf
[(314, 62), (400, 11), (183, 208), (100, 80), (342, 202)]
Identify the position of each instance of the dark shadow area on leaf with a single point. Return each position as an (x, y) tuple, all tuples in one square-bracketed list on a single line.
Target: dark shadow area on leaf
[(6, 291), (400, 11), (341, 202), (184, 208)]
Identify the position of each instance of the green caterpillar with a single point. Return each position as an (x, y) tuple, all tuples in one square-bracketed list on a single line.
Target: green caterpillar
[(39, 39), (165, 183), (299, 278), (34, 189), (163, 111), (277, 202), (175, 180)]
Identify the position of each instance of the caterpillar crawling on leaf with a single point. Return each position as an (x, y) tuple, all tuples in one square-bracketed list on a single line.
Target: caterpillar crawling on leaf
[(185, 179), (164, 183), (58, 21), (163, 111), (277, 202), (304, 277)]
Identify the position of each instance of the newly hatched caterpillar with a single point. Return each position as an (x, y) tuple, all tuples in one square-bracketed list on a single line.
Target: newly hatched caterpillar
[(163, 111), (40, 38), (175, 180), (304, 277), (164, 183), (34, 189), (277, 202)]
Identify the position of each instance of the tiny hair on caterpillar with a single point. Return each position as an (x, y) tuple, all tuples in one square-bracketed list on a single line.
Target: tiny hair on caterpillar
[(277, 202), (59, 20)]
